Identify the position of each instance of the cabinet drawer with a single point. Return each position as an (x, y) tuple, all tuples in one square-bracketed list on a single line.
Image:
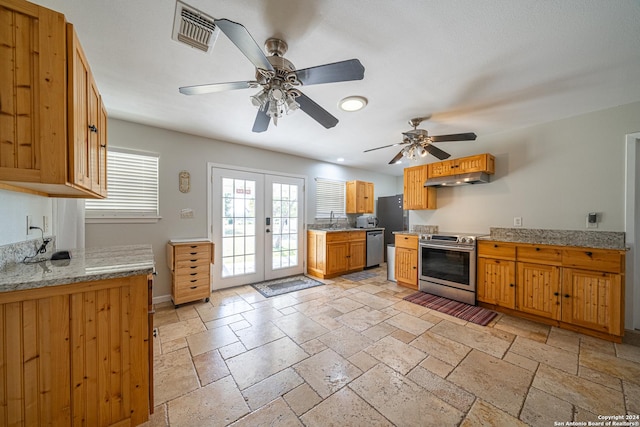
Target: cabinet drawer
[(192, 291), (186, 250), (593, 259), (493, 249), (191, 262), (357, 235), (193, 270), (341, 236), (539, 254), (406, 241)]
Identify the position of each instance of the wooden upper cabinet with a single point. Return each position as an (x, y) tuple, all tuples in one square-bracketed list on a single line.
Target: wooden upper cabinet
[(87, 122), (416, 195), (359, 197), (478, 163), (40, 105), (32, 95)]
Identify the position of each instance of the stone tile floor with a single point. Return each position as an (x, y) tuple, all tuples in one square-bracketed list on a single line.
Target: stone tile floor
[(355, 354)]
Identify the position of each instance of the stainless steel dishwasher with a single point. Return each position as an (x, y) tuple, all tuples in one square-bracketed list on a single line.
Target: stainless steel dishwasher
[(375, 247)]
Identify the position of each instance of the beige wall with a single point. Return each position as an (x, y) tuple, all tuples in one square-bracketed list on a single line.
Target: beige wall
[(180, 151), (551, 175)]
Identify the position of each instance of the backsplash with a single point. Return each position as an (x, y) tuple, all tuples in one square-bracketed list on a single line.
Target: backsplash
[(424, 229), (16, 252), (592, 239)]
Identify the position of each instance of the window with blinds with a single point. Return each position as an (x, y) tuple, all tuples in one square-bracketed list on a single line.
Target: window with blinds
[(330, 197), (132, 182)]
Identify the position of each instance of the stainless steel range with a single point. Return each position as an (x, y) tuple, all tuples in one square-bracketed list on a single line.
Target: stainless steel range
[(447, 266)]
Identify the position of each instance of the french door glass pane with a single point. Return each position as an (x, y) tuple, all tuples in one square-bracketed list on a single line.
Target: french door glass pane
[(284, 230), (238, 227)]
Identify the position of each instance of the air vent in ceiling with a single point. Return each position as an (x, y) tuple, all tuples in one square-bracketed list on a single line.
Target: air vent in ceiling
[(194, 28)]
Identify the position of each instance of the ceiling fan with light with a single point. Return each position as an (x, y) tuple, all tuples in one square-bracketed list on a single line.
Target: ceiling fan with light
[(278, 79), (418, 142)]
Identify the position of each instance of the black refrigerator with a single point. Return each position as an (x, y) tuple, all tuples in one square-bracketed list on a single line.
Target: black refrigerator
[(392, 217)]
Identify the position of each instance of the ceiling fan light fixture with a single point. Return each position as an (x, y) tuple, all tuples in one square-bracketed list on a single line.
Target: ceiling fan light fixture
[(353, 103), (423, 151)]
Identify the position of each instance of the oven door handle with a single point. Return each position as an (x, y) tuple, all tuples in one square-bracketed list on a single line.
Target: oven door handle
[(449, 247)]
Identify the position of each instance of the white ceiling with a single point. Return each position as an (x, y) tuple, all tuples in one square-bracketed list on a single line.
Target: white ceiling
[(476, 66)]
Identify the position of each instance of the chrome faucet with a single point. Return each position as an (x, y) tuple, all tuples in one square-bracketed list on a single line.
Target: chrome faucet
[(331, 220)]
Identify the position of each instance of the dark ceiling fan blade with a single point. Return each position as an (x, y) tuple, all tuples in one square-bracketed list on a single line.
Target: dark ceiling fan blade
[(316, 112), (384, 146), (262, 120), (239, 35), (470, 136), (216, 87), (436, 152), (342, 71), (396, 158)]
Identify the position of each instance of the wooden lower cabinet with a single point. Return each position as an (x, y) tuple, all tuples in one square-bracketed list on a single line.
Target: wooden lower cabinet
[(496, 282), (574, 288), (406, 262), (330, 254), (539, 289), (190, 265), (593, 300), (76, 354)]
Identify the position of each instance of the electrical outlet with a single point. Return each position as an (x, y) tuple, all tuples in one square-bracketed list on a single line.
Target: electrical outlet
[(29, 224), (517, 221), (592, 220), (45, 224)]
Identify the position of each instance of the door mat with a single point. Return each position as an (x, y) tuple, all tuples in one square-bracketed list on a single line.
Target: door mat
[(272, 288), (359, 275), (471, 313)]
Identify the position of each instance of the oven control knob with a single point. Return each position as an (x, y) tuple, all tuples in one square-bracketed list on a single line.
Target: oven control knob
[(466, 239)]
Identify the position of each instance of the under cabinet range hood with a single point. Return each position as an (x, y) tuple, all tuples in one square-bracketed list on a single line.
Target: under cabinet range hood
[(461, 179)]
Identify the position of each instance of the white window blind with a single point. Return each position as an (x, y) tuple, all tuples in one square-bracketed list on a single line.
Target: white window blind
[(330, 196), (132, 183)]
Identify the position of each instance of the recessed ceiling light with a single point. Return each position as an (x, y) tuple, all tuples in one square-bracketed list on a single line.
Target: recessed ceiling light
[(340, 159), (353, 103)]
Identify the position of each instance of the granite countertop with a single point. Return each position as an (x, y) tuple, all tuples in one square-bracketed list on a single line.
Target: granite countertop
[(580, 238), (85, 265), (335, 230)]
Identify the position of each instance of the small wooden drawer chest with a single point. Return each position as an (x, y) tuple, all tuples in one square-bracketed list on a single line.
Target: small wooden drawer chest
[(190, 265)]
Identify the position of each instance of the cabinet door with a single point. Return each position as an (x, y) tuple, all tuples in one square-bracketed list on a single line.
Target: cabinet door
[(406, 268), (593, 300), (538, 289), (439, 169), (337, 257), (78, 114), (416, 195), (357, 255), (34, 362), (471, 164), (496, 282), (32, 94), (101, 173), (368, 197)]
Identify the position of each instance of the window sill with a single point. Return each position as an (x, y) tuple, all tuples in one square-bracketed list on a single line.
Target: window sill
[(123, 220)]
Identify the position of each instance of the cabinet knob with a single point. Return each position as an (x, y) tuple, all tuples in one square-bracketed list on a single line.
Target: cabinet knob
[(567, 295), (495, 246), (556, 294), (511, 285), (537, 249), (103, 145), (589, 254), (93, 128)]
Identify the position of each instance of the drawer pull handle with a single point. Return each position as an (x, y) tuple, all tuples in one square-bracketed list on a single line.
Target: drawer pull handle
[(193, 274), (537, 249), (194, 266), (194, 246), (194, 287), (193, 281), (589, 254), (194, 253), (193, 260)]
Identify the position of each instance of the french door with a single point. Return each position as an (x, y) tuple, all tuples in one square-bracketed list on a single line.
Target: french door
[(257, 226)]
